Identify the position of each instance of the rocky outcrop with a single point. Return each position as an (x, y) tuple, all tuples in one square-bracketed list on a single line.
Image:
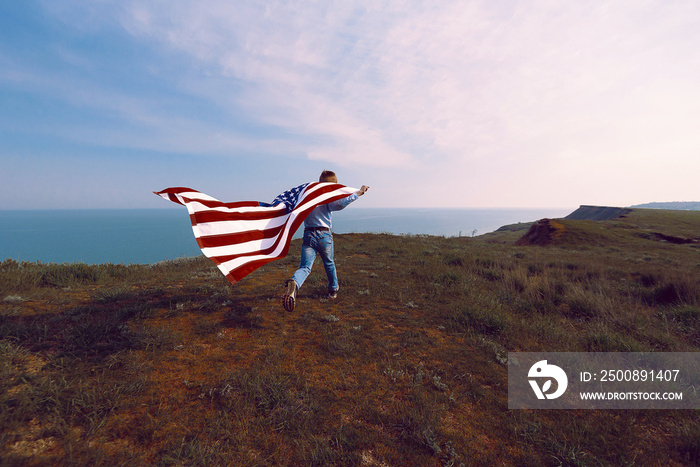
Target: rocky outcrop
[(542, 232)]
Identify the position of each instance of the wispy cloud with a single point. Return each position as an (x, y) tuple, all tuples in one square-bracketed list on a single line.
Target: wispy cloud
[(524, 91), (401, 82)]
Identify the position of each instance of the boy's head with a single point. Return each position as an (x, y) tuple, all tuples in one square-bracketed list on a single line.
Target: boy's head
[(328, 176)]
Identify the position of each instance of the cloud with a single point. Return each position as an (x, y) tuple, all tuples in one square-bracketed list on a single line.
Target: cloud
[(407, 82), (287, 65), (533, 90)]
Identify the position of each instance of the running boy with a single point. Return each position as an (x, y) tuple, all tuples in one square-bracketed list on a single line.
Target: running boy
[(318, 239)]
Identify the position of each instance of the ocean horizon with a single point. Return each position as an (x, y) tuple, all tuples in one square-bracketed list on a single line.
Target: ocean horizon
[(148, 236)]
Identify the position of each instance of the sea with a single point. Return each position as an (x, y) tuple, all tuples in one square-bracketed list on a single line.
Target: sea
[(148, 236)]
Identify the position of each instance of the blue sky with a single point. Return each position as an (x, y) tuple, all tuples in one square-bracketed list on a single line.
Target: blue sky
[(529, 103)]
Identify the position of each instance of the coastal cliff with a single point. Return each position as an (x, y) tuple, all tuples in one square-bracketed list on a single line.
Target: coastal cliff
[(598, 213)]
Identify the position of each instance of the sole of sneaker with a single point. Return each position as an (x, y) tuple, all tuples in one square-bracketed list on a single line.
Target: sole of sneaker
[(289, 298), (288, 302)]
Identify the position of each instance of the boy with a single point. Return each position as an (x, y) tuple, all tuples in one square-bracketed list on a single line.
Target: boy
[(318, 239)]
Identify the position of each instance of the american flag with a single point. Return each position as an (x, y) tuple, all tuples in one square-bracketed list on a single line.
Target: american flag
[(242, 236)]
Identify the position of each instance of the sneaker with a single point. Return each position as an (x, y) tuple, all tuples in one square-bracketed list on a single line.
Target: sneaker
[(332, 295), (290, 295)]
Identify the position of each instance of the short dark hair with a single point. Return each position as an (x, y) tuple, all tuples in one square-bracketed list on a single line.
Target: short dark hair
[(328, 176)]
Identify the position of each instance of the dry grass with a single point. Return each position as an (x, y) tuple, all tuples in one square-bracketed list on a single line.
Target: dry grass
[(170, 365)]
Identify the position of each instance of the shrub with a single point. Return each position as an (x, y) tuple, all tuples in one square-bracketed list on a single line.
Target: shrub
[(453, 259), (582, 304), (16, 276), (674, 292), (479, 319), (64, 275), (686, 314)]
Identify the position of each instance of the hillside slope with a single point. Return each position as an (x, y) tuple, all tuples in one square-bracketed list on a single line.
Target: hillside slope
[(605, 226), (171, 365)]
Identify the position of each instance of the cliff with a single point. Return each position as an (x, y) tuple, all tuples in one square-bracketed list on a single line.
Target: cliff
[(598, 213)]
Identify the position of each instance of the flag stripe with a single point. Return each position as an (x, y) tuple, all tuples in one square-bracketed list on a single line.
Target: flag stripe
[(214, 241), (240, 237), (204, 217)]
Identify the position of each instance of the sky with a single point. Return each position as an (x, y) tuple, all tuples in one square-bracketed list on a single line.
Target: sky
[(532, 103)]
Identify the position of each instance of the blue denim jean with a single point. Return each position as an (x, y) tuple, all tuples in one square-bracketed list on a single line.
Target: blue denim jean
[(317, 242)]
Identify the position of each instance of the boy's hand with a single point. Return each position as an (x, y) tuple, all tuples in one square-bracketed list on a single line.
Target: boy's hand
[(362, 190)]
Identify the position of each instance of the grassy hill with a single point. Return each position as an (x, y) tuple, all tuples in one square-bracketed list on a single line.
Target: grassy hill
[(171, 365)]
